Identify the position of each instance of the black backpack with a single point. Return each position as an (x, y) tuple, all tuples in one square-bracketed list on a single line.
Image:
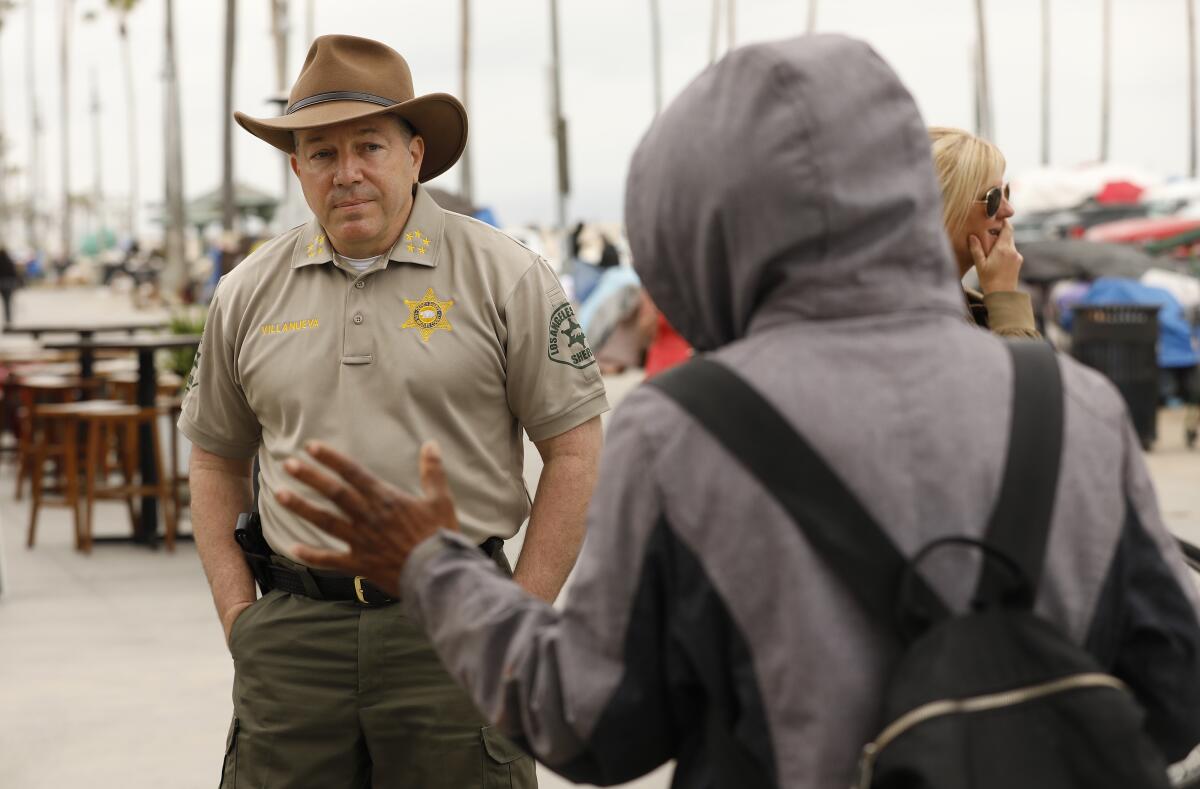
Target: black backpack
[(988, 699)]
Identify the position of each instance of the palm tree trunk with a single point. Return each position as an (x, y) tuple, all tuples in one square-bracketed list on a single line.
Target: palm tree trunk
[(1106, 80), (560, 123), (714, 32), (67, 8), (1191, 31), (228, 207), (5, 204), (173, 275), (130, 125), (984, 95), (1046, 82), (656, 53), (310, 21), (279, 32), (97, 158), (812, 16), (731, 24), (33, 176), (467, 186)]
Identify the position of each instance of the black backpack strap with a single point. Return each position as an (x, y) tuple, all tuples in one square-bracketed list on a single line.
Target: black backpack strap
[(1020, 523), (834, 522)]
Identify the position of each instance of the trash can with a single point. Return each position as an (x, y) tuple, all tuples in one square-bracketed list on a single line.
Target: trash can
[(1120, 340)]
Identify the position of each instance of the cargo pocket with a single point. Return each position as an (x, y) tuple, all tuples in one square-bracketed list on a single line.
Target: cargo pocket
[(229, 767), (505, 765)]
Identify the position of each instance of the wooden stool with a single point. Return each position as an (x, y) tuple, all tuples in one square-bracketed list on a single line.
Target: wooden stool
[(54, 437), (117, 428), (123, 386), (31, 391)]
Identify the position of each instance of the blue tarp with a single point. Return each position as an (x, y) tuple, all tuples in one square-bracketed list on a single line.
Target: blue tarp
[(1178, 343)]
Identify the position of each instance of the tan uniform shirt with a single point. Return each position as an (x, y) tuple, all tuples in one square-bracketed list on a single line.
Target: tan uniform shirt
[(460, 335)]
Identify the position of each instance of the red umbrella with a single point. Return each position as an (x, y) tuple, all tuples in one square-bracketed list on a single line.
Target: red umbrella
[(1120, 192)]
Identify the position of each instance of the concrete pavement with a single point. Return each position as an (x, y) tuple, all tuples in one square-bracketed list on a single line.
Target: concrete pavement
[(113, 671)]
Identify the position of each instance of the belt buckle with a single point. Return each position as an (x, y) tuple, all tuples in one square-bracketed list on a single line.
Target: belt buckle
[(358, 590)]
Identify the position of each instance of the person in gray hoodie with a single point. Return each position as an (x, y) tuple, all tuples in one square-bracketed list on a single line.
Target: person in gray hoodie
[(784, 215)]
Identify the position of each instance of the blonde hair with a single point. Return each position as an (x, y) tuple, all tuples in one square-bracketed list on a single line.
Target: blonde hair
[(965, 165)]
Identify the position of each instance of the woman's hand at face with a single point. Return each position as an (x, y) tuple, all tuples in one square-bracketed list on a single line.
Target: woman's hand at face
[(1000, 269)]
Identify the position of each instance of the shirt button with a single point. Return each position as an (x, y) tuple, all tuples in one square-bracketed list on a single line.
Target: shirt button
[(360, 284), (358, 318)]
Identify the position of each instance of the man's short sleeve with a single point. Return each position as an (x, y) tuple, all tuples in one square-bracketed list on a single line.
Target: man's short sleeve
[(216, 416), (553, 381)]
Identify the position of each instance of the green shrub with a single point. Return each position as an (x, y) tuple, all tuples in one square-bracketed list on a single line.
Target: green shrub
[(188, 320)]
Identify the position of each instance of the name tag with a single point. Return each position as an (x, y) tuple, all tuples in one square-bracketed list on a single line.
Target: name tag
[(288, 326)]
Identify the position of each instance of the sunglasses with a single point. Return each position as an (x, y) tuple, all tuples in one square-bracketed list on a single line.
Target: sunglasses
[(993, 198)]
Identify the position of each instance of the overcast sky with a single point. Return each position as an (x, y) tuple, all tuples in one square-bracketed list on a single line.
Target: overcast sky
[(608, 95)]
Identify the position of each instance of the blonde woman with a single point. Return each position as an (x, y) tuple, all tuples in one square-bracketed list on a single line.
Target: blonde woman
[(975, 212)]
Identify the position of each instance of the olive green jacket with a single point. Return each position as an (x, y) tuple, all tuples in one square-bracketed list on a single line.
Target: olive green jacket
[(1006, 313)]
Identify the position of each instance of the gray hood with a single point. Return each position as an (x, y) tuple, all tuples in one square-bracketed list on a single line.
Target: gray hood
[(790, 181)]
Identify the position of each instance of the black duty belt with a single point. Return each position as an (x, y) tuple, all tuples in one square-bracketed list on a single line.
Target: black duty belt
[(326, 585)]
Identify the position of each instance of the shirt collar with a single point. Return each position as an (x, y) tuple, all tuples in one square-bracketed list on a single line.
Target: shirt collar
[(312, 246), (420, 242)]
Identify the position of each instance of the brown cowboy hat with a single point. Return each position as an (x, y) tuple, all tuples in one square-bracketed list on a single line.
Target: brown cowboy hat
[(345, 78)]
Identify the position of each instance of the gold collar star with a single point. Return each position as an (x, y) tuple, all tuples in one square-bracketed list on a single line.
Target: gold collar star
[(316, 245), (416, 241), (427, 314)]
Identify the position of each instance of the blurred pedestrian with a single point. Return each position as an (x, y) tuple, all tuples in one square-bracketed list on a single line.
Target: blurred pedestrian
[(382, 321), (707, 623), (10, 281), (976, 212)]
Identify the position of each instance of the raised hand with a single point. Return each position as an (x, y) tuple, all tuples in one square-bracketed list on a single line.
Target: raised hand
[(1000, 270), (380, 524)]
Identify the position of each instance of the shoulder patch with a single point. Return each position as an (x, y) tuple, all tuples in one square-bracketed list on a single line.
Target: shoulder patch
[(567, 342)]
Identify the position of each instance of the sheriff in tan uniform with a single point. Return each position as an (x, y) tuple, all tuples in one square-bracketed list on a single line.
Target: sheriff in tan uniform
[(383, 323), (460, 335)]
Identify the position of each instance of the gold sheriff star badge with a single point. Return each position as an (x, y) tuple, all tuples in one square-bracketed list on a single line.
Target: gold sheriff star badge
[(427, 314)]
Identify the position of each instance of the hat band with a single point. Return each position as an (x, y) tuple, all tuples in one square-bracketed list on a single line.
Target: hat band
[(339, 95)]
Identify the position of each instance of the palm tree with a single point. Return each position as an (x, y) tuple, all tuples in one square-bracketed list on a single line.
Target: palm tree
[(984, 93), (66, 8), (467, 187), (228, 208), (33, 180), (122, 9), (715, 32), (279, 33), (560, 123), (730, 28), (1046, 82), (5, 7), (173, 272), (1191, 34), (656, 53), (1105, 79), (97, 146), (731, 23), (812, 16)]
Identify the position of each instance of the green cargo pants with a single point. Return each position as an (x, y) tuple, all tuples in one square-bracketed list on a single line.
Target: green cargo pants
[(332, 694)]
